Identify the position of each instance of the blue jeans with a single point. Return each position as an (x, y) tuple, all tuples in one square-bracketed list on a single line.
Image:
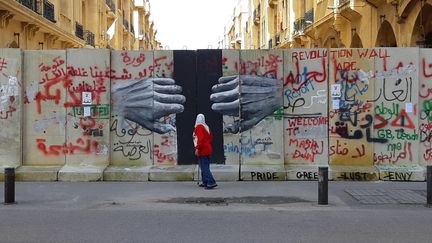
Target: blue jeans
[(206, 175)]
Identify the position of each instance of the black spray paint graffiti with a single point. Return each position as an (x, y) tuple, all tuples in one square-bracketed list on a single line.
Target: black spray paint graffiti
[(247, 98), (146, 101), (132, 148)]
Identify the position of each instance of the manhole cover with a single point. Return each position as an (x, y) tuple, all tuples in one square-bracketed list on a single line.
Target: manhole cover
[(226, 201)]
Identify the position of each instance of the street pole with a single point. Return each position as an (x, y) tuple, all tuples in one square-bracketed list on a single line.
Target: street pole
[(9, 185), (323, 185)]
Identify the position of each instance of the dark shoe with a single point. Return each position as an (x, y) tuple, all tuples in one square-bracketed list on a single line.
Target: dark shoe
[(202, 185), (210, 187)]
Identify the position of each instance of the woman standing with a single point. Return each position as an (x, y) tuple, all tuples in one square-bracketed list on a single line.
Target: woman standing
[(203, 137)]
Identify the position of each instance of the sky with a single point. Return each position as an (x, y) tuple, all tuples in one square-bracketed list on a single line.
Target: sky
[(191, 24)]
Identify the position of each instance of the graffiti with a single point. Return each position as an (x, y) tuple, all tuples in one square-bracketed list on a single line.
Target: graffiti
[(301, 78), (81, 146), (341, 129), (133, 150), (160, 68), (403, 94), (353, 176), (273, 103), (132, 140), (162, 152), (248, 148), (306, 148), (146, 101), (96, 111), (393, 156), (263, 66), (264, 176), (307, 175), (342, 149), (427, 155), (397, 176), (57, 77), (7, 113), (251, 97), (3, 64), (305, 99), (294, 96), (398, 134), (135, 61), (309, 55)]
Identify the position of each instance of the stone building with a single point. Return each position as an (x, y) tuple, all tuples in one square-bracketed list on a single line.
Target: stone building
[(335, 24), (60, 24)]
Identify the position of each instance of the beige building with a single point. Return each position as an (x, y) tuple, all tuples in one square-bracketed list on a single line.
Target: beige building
[(60, 24), (336, 23)]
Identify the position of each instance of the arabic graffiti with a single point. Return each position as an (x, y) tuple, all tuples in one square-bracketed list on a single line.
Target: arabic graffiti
[(305, 107), (259, 104), (425, 107), (359, 107), (131, 144)]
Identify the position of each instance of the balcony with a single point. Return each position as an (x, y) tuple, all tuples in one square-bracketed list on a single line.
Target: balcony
[(48, 11), (44, 8), (309, 18), (257, 14), (299, 26), (89, 38), (79, 31), (29, 4), (111, 5), (350, 9)]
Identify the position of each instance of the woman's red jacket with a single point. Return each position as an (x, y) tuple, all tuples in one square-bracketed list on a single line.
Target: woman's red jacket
[(204, 143)]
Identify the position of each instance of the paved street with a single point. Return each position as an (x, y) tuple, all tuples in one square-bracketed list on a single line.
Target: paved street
[(234, 212)]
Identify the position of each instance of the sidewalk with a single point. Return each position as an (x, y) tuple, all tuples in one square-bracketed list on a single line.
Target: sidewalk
[(283, 194)]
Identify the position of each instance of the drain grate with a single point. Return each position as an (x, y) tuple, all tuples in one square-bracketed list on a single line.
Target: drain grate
[(382, 196), (218, 201)]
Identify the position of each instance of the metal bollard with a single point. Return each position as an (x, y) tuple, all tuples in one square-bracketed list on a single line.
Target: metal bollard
[(323, 185), (429, 185), (9, 185)]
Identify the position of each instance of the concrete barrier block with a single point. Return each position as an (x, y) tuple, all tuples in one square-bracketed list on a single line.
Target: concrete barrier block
[(302, 172), (402, 173), (221, 172), (81, 173), (353, 173), (126, 173), (37, 173), (171, 173), (263, 173)]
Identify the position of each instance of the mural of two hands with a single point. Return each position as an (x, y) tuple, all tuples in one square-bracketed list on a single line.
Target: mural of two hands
[(249, 99)]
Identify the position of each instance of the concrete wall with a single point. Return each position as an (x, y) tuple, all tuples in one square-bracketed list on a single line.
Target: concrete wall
[(362, 112), (305, 112), (10, 107)]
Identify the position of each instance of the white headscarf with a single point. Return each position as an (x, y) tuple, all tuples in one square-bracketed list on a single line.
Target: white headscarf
[(200, 120)]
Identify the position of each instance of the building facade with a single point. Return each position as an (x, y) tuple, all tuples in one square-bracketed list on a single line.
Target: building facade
[(60, 24), (336, 24)]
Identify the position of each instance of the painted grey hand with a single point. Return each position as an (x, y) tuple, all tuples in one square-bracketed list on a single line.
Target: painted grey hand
[(146, 101), (249, 98)]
